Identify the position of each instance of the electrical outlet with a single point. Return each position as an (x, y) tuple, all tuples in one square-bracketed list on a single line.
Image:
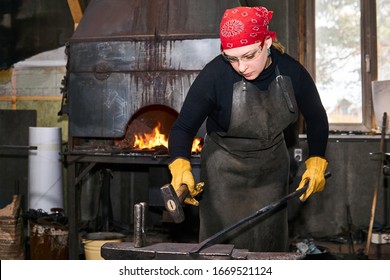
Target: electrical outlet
[(298, 154)]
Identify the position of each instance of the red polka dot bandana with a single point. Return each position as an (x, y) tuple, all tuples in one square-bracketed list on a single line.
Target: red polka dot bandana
[(242, 26)]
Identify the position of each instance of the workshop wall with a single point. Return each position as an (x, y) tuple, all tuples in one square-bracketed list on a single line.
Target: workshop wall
[(30, 95), (344, 207), (35, 84)]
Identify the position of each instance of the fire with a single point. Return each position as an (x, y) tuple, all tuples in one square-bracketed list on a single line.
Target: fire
[(156, 138), (196, 145), (149, 141)]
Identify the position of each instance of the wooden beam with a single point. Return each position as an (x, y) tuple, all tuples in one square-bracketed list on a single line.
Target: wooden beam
[(13, 98), (76, 11)]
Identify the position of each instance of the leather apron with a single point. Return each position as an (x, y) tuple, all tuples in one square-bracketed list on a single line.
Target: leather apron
[(247, 167)]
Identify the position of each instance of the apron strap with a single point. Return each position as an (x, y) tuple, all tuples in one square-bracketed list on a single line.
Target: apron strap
[(279, 79)]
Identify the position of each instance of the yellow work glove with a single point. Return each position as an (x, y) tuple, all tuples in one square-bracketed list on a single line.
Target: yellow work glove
[(182, 174), (315, 170)]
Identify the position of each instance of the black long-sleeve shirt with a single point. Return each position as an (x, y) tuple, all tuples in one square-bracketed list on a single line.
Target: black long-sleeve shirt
[(210, 96)]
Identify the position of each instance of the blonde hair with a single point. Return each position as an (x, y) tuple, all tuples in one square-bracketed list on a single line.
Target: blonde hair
[(278, 46)]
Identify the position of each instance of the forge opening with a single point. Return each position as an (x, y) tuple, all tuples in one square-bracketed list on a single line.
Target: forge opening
[(148, 130)]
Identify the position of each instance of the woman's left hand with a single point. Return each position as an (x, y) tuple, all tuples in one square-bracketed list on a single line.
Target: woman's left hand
[(315, 175)]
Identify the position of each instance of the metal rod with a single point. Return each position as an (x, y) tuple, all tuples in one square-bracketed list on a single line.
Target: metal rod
[(84, 172), (105, 199), (14, 147), (209, 241)]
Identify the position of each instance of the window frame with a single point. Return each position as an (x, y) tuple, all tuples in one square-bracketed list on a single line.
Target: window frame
[(369, 61)]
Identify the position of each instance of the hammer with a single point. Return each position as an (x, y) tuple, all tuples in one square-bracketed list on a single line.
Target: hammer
[(173, 200)]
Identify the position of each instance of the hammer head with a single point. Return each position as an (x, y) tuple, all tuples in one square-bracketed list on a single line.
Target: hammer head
[(172, 203)]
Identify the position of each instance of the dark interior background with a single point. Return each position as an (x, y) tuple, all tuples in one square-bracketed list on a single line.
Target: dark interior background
[(29, 27)]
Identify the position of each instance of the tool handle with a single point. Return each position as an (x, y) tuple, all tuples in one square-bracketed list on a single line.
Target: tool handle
[(300, 191), (182, 192)]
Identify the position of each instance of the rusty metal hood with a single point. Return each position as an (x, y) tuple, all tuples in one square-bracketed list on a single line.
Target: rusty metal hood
[(148, 18), (126, 55)]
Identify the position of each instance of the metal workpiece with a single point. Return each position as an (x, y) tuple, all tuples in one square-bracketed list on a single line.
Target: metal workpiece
[(139, 224), (243, 254)]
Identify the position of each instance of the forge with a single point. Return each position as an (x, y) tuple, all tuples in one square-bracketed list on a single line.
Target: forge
[(129, 66)]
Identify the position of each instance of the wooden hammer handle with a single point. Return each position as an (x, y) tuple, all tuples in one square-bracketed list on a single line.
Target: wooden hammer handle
[(182, 192)]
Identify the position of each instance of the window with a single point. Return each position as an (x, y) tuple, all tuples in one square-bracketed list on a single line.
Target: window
[(338, 53), (383, 35), (344, 55)]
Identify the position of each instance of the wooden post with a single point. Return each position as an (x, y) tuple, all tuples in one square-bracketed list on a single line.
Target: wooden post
[(75, 9)]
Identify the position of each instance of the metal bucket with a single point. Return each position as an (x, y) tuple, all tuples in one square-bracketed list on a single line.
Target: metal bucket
[(48, 242), (94, 241)]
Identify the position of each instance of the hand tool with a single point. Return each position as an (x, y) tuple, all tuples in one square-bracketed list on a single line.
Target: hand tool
[(139, 224), (209, 241), (173, 200), (378, 182)]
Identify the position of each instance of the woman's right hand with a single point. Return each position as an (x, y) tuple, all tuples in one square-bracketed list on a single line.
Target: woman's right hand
[(182, 174)]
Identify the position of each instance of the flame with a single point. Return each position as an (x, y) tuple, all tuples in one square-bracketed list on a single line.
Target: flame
[(156, 138), (196, 145), (149, 141)]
